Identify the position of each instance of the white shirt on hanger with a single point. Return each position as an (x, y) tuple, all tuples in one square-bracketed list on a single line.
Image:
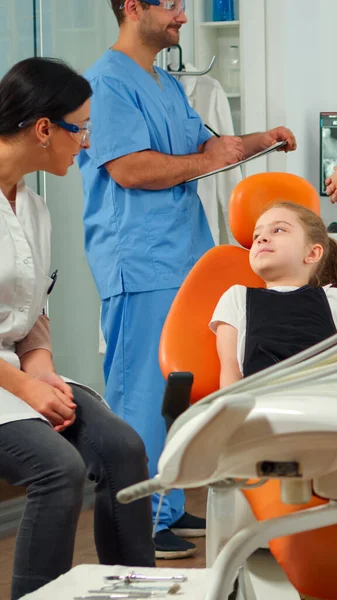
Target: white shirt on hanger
[(207, 97)]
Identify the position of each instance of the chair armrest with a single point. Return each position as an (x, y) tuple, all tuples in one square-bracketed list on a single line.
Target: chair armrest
[(177, 396)]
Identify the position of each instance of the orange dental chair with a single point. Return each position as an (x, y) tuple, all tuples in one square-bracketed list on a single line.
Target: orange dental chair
[(309, 559)]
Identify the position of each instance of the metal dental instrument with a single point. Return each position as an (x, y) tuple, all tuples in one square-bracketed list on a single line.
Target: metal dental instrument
[(123, 588), (118, 596), (107, 597), (138, 577)]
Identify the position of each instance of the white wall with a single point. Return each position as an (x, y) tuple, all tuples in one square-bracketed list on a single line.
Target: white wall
[(301, 79), (253, 74)]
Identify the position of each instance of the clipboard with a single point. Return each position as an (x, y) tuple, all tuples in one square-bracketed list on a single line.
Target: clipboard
[(241, 162)]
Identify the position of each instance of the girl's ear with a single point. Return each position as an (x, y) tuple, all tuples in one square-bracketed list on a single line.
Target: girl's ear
[(314, 255)]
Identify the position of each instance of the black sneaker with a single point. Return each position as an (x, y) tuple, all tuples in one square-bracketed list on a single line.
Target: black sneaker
[(171, 546), (189, 526)]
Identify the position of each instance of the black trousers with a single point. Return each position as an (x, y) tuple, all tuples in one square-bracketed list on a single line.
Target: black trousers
[(53, 467)]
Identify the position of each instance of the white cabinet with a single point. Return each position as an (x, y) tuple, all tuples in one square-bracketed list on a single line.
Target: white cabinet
[(215, 39), (249, 106)]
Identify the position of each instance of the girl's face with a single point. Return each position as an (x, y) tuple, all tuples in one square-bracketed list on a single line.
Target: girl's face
[(280, 247), (64, 145)]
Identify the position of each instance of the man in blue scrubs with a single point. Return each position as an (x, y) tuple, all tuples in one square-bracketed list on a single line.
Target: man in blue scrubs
[(144, 227)]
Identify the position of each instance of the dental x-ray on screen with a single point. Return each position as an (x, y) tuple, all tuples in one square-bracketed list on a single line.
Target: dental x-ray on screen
[(328, 147)]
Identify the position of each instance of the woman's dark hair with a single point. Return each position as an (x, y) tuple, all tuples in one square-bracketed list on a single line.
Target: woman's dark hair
[(39, 87), (316, 232)]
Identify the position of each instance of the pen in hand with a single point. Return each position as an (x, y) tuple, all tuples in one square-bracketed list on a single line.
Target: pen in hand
[(212, 131)]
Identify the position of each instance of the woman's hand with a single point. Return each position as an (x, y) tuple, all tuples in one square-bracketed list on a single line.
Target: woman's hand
[(57, 382), (50, 401), (38, 364)]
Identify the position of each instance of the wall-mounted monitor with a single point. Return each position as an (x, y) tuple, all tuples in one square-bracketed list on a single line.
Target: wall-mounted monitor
[(328, 147)]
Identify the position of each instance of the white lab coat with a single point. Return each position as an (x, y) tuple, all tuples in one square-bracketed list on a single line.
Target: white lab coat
[(24, 281), (207, 97)]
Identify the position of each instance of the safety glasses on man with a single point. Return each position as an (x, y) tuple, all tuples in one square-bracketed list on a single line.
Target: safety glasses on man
[(175, 8)]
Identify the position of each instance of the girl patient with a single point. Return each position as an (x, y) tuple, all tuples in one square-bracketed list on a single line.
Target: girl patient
[(258, 327)]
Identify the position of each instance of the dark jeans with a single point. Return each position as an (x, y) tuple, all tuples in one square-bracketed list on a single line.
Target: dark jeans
[(53, 467)]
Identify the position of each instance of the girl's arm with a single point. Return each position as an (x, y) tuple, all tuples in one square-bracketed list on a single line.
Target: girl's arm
[(226, 343)]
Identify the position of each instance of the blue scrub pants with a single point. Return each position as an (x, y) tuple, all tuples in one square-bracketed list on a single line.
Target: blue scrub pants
[(132, 325)]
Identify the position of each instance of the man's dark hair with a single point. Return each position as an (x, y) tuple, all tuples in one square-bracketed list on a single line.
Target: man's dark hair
[(120, 13), (39, 87)]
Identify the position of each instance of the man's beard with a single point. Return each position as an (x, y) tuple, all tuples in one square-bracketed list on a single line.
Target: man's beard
[(159, 39)]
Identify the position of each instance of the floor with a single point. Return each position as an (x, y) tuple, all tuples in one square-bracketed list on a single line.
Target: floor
[(85, 552)]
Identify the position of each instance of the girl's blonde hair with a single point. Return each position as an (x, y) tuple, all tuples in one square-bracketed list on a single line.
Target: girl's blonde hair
[(326, 270)]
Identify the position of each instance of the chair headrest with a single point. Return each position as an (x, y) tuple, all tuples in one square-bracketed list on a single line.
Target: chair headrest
[(256, 192)]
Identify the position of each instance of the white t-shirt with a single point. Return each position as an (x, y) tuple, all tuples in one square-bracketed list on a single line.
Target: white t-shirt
[(231, 309)]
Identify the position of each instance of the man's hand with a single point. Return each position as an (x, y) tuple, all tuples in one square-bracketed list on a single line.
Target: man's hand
[(331, 186), (223, 151), (279, 134), (50, 402)]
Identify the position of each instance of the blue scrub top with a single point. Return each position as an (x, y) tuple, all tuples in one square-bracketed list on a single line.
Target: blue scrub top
[(139, 240)]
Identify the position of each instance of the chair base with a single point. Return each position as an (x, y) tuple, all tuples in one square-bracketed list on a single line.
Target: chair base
[(246, 542), (265, 580), (228, 511)]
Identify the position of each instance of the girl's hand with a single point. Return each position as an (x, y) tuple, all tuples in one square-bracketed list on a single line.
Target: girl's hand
[(331, 186)]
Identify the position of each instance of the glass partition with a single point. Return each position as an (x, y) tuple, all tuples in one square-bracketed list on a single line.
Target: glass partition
[(78, 31), (18, 40)]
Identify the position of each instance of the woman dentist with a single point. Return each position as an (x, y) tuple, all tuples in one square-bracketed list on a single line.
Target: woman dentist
[(52, 434)]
